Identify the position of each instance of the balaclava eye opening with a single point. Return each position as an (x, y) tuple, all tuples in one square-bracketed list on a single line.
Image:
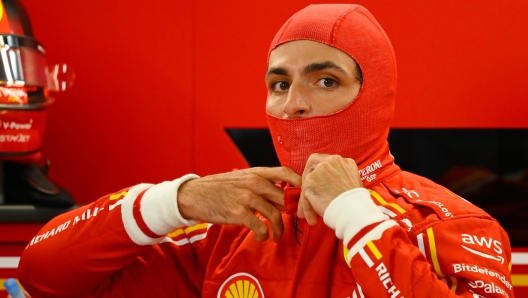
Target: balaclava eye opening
[(360, 130)]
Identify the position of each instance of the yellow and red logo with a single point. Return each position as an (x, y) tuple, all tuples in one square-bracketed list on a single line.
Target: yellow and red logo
[(241, 285)]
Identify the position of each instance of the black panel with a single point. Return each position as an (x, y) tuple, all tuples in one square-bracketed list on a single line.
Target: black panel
[(256, 146), (488, 167), (431, 152)]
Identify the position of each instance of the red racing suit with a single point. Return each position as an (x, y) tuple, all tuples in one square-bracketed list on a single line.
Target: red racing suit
[(407, 237)]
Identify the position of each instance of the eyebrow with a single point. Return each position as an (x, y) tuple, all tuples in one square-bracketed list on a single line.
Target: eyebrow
[(276, 71), (322, 65), (308, 69)]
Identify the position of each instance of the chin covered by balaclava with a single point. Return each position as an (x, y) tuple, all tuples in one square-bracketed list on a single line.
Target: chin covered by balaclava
[(360, 130)]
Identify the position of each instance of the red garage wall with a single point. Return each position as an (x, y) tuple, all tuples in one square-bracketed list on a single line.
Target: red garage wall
[(128, 118), (158, 83)]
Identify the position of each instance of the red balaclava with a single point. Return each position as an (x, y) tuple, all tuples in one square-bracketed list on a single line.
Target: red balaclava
[(360, 130)]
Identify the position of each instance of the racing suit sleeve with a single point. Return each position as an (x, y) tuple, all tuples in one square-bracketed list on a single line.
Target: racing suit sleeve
[(386, 263), (118, 246)]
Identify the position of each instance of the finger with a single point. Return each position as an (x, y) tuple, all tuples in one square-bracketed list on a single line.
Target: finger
[(265, 189), (278, 174), (351, 164), (257, 226), (300, 210), (312, 162), (279, 207), (308, 210), (272, 214)]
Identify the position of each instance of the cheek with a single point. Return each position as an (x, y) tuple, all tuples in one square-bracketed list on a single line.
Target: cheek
[(332, 103), (348, 95), (274, 106)]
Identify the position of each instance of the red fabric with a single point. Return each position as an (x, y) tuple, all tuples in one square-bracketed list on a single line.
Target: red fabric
[(95, 257), (361, 129), (291, 199)]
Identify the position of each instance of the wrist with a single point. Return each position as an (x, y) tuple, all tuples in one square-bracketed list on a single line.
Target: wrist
[(184, 199)]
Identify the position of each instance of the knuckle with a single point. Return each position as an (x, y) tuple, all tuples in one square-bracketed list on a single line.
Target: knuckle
[(253, 179), (324, 165), (275, 215), (261, 229), (313, 156), (256, 170), (308, 180), (284, 171), (245, 196), (239, 212), (337, 158), (352, 163)]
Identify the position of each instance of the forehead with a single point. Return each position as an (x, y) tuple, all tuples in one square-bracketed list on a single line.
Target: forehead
[(299, 53)]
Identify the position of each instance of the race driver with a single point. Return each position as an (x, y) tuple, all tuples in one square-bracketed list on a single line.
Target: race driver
[(363, 227)]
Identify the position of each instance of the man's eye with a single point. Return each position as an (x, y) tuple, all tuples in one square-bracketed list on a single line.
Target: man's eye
[(327, 83), (280, 86)]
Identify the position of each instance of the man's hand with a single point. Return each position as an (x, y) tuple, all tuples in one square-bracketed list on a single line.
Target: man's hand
[(324, 178), (233, 198)]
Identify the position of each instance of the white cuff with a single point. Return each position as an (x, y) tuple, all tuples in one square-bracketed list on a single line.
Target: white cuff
[(159, 207), (158, 210), (350, 212)]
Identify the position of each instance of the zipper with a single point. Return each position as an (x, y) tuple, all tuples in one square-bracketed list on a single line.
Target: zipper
[(304, 245)]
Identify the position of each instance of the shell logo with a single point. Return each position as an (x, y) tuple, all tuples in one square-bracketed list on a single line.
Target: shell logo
[(241, 285)]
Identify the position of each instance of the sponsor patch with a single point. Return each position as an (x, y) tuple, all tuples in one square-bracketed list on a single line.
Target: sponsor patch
[(241, 285), (483, 242), (386, 280), (368, 171), (440, 205), (474, 268), (489, 288)]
